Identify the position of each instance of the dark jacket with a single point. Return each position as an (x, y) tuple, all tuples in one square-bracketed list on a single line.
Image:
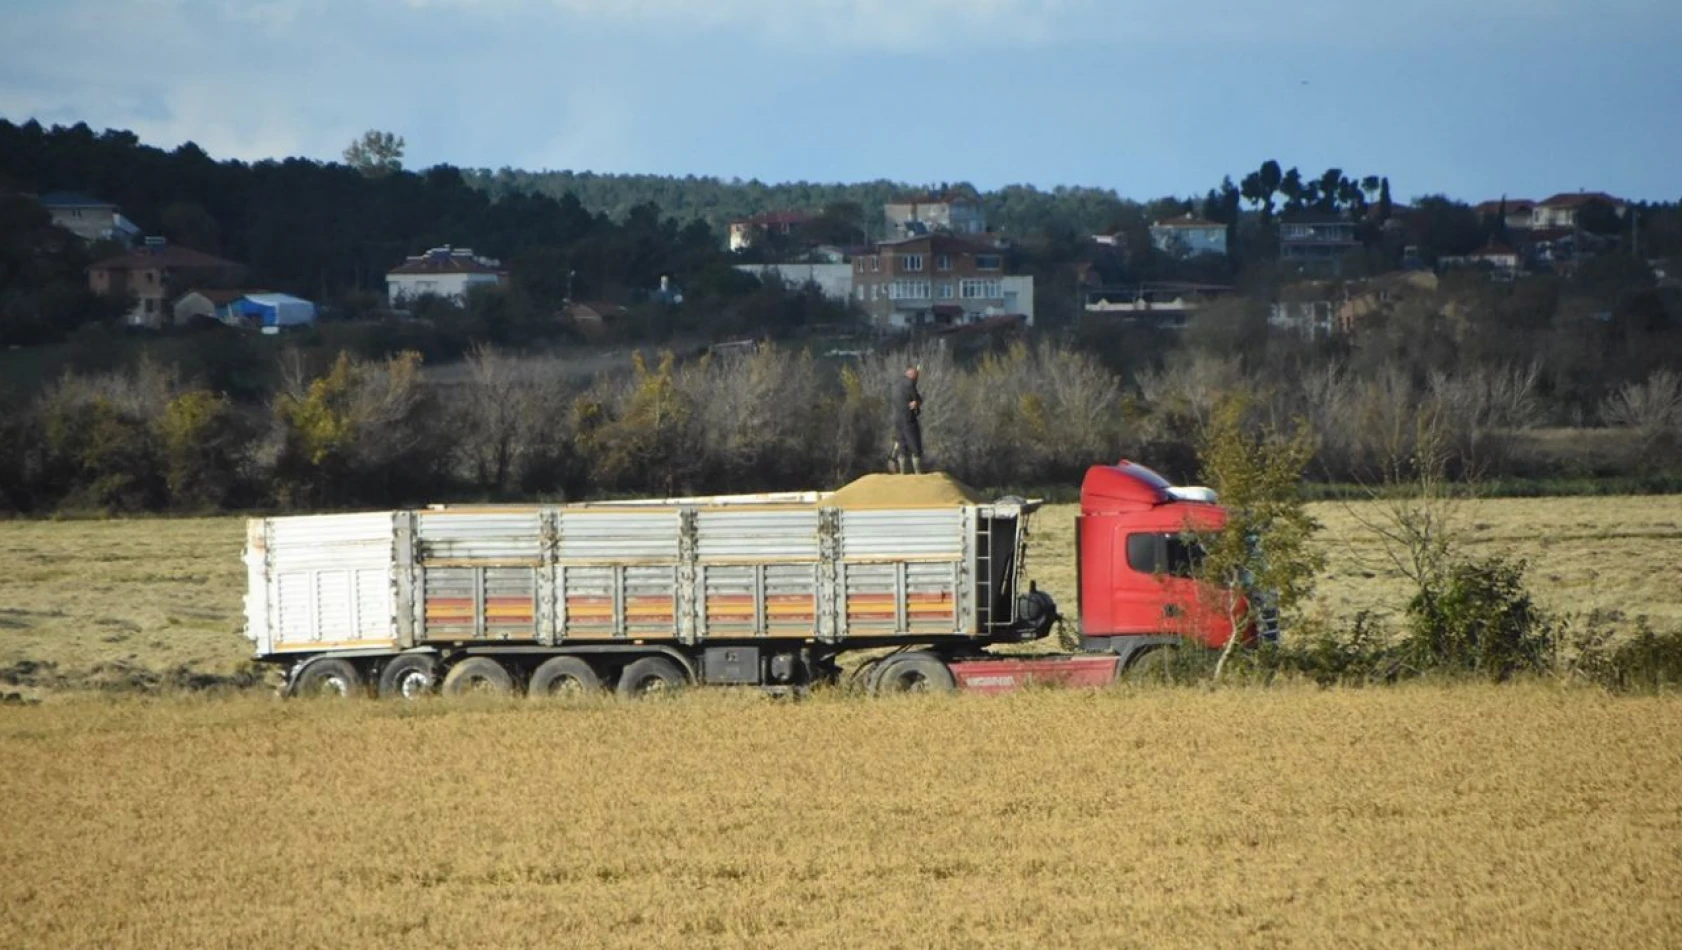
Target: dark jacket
[(905, 391)]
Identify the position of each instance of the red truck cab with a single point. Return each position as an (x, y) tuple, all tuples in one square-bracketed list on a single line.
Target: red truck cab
[(1135, 561)]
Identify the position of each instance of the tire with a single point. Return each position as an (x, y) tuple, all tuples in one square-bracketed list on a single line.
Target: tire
[(567, 676), (650, 676), (478, 674), (914, 673), (327, 677), (409, 677)]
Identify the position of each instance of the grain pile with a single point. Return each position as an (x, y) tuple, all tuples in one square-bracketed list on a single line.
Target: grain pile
[(936, 490)]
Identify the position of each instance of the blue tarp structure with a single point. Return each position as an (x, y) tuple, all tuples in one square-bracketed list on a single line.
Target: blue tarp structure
[(273, 310)]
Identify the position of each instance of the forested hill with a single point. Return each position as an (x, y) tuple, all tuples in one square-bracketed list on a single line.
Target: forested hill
[(1017, 208)]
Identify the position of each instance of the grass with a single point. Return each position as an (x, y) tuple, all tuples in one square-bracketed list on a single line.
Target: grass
[(1418, 816), (122, 603)]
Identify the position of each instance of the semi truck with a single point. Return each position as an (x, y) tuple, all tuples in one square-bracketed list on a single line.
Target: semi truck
[(765, 590)]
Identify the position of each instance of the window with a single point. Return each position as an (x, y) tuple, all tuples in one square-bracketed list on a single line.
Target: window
[(1169, 554), (943, 262), (947, 291), (988, 262), (981, 290), (911, 262), (909, 290), (875, 265)]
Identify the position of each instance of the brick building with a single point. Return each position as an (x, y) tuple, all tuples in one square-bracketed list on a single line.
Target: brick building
[(938, 279)]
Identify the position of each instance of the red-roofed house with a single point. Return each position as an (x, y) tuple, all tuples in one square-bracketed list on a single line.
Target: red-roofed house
[(154, 272), (446, 272), (1561, 210), (745, 232)]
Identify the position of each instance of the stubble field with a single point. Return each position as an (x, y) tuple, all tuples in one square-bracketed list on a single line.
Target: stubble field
[(1527, 815)]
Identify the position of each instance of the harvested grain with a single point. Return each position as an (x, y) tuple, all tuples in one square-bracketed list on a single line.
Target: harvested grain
[(936, 490)]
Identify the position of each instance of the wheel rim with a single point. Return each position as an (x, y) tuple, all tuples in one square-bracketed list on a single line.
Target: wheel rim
[(911, 681), (565, 685), (413, 684), (650, 686)]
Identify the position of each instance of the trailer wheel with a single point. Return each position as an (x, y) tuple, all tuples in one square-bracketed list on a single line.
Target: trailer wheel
[(914, 673), (650, 676), (478, 674), (328, 676), (410, 676), (563, 676)]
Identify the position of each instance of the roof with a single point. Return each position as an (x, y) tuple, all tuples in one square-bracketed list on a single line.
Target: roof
[(1316, 217), (221, 297), (942, 243), (1187, 222), (1512, 205), (597, 307), (276, 300), (445, 260), (1580, 198), (172, 256), (73, 199)]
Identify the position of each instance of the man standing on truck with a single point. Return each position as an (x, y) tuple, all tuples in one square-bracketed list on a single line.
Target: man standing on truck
[(908, 431)]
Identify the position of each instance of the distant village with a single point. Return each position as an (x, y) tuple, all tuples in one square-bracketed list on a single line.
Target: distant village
[(939, 265)]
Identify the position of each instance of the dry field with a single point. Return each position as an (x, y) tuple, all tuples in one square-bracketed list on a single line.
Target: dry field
[(1419, 816), (112, 602), (1616, 553)]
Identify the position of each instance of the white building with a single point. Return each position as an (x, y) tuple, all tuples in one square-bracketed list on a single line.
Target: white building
[(446, 272), (834, 280), (89, 218)]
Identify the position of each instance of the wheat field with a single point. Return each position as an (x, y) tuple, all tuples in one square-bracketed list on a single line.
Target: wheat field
[(1138, 816), (1419, 816)]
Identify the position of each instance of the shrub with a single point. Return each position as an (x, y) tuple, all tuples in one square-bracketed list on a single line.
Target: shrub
[(1477, 617)]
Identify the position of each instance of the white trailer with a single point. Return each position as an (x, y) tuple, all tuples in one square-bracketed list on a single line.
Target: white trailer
[(764, 590)]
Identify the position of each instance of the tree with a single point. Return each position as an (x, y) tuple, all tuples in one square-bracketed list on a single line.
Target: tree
[(1265, 549), (376, 154)]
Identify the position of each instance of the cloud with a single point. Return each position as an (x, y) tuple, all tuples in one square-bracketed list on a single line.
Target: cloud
[(866, 25)]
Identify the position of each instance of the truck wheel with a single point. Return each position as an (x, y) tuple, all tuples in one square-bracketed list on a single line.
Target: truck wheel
[(563, 676), (327, 677), (914, 673), (650, 676), (478, 674), (409, 677)]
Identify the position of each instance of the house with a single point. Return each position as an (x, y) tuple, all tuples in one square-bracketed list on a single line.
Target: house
[(1166, 305), (937, 279), (834, 281), (207, 303), (445, 272), (1321, 308), (156, 272), (89, 218), (1189, 236), (1363, 300), (1518, 214), (746, 232), (1308, 308), (1495, 256), (1316, 237), (951, 212), (1561, 210)]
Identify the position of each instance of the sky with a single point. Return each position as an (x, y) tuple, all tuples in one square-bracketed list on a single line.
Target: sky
[(1471, 98)]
